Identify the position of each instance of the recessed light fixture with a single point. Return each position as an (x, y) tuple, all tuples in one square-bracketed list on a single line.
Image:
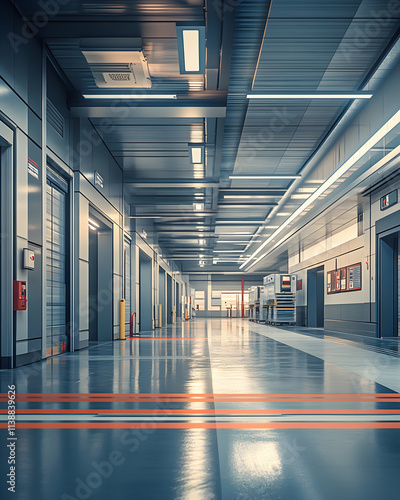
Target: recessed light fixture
[(202, 242), (92, 227), (228, 251), (313, 95), (196, 153), (259, 177), (191, 49), (198, 206), (240, 222), (129, 96), (248, 196)]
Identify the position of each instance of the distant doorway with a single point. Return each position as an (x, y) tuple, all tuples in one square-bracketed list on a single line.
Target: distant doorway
[(315, 297), (169, 299), (145, 293), (389, 284), (100, 277)]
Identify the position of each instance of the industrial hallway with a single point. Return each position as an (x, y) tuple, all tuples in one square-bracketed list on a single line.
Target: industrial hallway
[(211, 409)]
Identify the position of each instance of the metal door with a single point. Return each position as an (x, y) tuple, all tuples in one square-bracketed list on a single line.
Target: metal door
[(57, 334), (127, 285)]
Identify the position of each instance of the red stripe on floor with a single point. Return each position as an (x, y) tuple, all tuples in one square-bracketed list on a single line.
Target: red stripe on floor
[(201, 400), (205, 425), (135, 411), (188, 395)]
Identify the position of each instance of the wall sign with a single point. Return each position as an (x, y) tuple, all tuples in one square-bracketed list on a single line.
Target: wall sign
[(389, 200), (345, 279), (98, 180)]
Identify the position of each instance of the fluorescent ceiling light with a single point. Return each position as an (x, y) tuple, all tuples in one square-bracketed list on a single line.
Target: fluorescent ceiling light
[(202, 242), (239, 222), (313, 95), (374, 139), (258, 177), (191, 50), (283, 214), (300, 196), (228, 251), (92, 227), (237, 241), (92, 222), (198, 206), (129, 96), (249, 197)]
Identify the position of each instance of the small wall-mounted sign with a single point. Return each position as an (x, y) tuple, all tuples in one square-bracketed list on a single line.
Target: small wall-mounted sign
[(144, 234), (33, 168), (389, 200), (28, 261), (98, 180), (299, 285)]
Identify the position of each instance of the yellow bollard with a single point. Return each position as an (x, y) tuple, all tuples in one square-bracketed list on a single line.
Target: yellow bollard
[(122, 319), (160, 315)]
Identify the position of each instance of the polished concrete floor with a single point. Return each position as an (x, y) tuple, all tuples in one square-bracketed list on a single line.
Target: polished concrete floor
[(209, 409)]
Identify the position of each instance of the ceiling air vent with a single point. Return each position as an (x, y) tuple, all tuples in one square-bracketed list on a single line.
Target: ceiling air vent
[(119, 69)]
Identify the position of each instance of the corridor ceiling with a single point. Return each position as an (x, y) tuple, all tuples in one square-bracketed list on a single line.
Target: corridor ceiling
[(252, 46)]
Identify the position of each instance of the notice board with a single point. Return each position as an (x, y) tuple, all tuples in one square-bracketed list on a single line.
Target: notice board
[(345, 279)]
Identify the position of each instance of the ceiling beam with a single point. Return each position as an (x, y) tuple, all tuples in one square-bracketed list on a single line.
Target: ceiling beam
[(173, 183), (148, 112)]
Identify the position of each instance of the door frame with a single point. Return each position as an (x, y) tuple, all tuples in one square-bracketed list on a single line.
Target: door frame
[(7, 326)]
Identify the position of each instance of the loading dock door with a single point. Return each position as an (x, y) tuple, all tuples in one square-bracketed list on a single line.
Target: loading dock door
[(57, 335)]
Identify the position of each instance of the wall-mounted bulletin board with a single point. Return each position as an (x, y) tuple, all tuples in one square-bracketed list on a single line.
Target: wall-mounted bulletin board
[(345, 279)]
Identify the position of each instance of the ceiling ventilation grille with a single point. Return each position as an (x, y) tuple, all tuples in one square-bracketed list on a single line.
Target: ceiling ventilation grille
[(55, 118), (119, 69)]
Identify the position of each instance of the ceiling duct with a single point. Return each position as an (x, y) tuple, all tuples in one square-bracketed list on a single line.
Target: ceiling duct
[(115, 66)]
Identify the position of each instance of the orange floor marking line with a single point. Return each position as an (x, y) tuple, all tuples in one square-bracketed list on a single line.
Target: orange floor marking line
[(134, 411), (201, 400), (189, 395), (205, 425), (167, 338)]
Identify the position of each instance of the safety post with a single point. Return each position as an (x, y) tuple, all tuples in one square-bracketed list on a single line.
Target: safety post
[(160, 315), (131, 328), (122, 319)]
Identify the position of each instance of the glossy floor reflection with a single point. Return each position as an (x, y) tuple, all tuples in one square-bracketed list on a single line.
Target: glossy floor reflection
[(209, 409)]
